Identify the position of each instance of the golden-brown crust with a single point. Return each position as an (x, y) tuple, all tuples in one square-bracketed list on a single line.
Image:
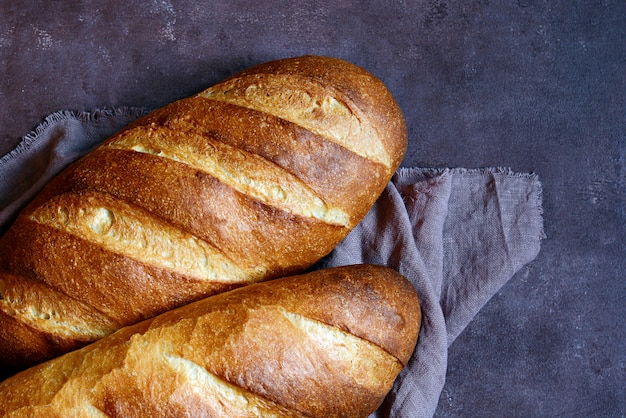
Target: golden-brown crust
[(327, 167), (212, 192), (284, 346), (122, 289), (357, 84), (213, 211)]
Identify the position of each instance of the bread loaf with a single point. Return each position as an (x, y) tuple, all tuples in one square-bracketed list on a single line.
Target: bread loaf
[(254, 178), (324, 344)]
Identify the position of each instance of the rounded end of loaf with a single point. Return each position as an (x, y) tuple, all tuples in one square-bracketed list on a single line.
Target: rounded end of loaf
[(336, 100), (372, 302), (364, 95)]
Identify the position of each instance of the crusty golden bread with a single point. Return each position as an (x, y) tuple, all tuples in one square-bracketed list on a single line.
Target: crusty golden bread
[(329, 343), (254, 178)]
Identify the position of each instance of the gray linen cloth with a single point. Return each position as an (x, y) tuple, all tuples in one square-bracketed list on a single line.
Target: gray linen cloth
[(458, 235)]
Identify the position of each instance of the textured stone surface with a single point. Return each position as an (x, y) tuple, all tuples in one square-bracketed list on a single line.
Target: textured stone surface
[(534, 85)]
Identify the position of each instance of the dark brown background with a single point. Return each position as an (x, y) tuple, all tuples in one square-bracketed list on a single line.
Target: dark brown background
[(538, 86)]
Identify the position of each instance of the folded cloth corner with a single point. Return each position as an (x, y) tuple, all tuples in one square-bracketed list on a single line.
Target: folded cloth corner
[(457, 234)]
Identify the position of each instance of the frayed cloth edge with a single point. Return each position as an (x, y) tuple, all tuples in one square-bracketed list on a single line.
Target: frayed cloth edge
[(92, 116), (410, 175), (415, 174)]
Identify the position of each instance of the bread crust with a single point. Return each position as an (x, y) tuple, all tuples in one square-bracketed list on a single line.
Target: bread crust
[(326, 343), (257, 177)]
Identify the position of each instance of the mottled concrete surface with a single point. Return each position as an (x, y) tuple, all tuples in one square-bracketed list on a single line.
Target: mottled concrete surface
[(534, 85)]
